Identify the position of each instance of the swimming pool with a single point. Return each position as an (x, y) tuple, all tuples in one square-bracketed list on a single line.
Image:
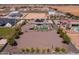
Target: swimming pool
[(76, 29)]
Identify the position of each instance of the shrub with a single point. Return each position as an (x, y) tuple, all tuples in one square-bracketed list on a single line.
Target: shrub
[(11, 41), (27, 50), (66, 39), (64, 36), (24, 23), (63, 50), (37, 50), (59, 30), (32, 50), (48, 50), (57, 49), (18, 30), (43, 50), (16, 35), (23, 50)]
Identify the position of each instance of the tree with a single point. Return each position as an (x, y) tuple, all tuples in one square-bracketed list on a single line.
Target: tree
[(66, 39), (48, 50), (18, 30), (23, 50), (55, 9), (59, 30), (16, 35), (57, 49), (32, 50), (62, 34), (63, 50), (24, 23), (69, 14), (43, 50), (27, 50), (37, 50), (11, 41)]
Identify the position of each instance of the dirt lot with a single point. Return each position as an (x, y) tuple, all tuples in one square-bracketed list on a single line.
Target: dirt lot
[(39, 39), (72, 9)]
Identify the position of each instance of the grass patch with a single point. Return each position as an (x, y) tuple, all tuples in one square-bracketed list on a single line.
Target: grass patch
[(7, 32), (10, 34), (1, 46)]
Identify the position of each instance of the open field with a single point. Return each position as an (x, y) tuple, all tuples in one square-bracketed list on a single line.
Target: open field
[(72, 9)]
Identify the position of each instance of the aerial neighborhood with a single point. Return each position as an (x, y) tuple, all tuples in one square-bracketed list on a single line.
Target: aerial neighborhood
[(39, 29)]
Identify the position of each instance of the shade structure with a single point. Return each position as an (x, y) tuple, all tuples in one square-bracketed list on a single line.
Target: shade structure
[(51, 12), (4, 21), (8, 25), (15, 14)]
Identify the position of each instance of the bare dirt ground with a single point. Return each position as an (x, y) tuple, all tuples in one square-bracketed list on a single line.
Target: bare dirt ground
[(72, 9), (39, 39), (33, 39)]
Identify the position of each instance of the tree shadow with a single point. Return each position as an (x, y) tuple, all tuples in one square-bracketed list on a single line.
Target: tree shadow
[(65, 42)]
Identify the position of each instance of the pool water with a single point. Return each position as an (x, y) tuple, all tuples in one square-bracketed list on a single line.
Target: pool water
[(76, 29)]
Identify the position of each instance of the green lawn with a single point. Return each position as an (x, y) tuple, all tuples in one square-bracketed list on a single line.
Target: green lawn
[(7, 32), (1, 46)]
